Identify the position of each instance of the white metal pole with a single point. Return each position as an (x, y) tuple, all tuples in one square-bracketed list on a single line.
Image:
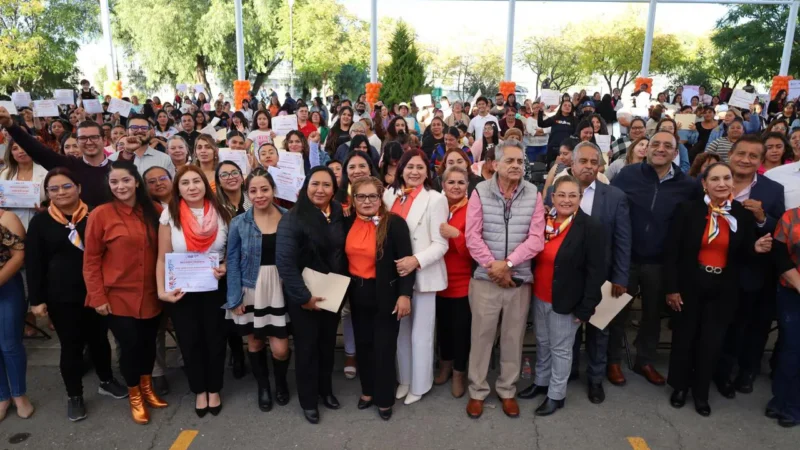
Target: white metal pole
[(510, 39), (373, 42), (291, 46), (648, 38), (105, 18), (239, 41), (789, 40)]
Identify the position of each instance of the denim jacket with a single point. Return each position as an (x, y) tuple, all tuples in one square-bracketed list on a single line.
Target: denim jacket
[(244, 256)]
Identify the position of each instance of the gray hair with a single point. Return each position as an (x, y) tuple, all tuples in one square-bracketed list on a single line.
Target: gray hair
[(179, 138), (499, 150), (591, 145), (455, 169)]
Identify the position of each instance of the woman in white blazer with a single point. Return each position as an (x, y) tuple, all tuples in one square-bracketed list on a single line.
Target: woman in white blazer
[(425, 210)]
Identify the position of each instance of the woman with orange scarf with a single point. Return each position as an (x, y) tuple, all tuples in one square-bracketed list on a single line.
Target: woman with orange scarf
[(196, 223)]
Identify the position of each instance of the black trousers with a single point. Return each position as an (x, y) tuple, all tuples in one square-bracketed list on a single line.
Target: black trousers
[(698, 332), (376, 343), (314, 342), (202, 333), (137, 341), (747, 336), (78, 327), (453, 330), (596, 350)]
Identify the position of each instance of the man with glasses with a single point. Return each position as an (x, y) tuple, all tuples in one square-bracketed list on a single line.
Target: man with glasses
[(137, 147), (90, 169), (654, 188)]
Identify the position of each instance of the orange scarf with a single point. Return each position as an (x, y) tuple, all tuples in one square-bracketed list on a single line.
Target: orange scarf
[(456, 206), (199, 238), (77, 216)]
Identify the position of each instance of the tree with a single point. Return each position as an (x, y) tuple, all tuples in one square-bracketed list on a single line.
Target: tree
[(553, 58), (350, 80), (39, 40), (405, 76), (486, 71), (710, 67)]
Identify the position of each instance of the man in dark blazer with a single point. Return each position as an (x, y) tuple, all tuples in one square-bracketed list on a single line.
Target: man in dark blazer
[(747, 335), (610, 206)]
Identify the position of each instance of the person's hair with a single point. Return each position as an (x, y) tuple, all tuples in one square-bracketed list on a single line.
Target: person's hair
[(779, 95), (603, 125), (63, 171), (592, 146), (175, 202), (196, 123), (399, 183), (303, 140), (357, 126), (150, 214), (773, 124), (367, 122), (358, 140), (453, 131), (11, 164), (508, 143), (455, 169), (637, 119), (442, 167), (144, 175), (584, 123), (788, 151), (322, 121), (176, 137), (566, 179), (308, 214), (89, 124), (233, 133), (495, 136), (383, 224), (170, 122), (560, 112), (513, 133), (209, 140), (336, 130), (699, 160), (482, 99), (708, 169), (63, 142), (341, 196), (138, 117), (259, 172), (242, 118), (222, 197), (629, 151), (261, 113), (392, 152), (391, 131)]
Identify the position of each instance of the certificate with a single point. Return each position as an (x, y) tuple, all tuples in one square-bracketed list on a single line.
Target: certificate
[(684, 120), (93, 106), (19, 194), (330, 286), (742, 99), (794, 90), (609, 307), (181, 87), (550, 97), (191, 272), (603, 141), (9, 106), (199, 88), (45, 108), (239, 157), (120, 106), (282, 125), (287, 184), (643, 100), (21, 99), (292, 162), (64, 96), (423, 100)]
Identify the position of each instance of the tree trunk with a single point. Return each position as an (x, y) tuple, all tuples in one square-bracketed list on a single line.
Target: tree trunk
[(262, 76), (537, 86), (200, 75)]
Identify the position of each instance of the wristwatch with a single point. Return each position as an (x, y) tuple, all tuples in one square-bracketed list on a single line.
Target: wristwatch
[(509, 264)]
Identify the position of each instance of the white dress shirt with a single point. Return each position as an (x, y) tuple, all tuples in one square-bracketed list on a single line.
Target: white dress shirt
[(789, 176), (588, 199)]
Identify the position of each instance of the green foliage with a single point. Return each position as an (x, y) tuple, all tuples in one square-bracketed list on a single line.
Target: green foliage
[(405, 76), (486, 70), (350, 80), (555, 58), (39, 40)]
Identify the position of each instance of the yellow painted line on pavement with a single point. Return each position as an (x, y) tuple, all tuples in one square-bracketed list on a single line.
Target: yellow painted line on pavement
[(184, 440), (638, 443)]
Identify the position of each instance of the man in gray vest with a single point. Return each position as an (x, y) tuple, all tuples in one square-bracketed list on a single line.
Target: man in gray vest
[(505, 231)]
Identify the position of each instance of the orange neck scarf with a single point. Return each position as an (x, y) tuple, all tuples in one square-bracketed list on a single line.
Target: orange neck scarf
[(199, 238)]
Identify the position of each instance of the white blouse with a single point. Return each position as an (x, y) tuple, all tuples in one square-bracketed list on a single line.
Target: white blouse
[(179, 242)]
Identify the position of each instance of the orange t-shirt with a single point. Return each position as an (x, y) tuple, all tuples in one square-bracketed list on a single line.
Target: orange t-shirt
[(715, 254), (544, 270), (402, 209), (361, 248)]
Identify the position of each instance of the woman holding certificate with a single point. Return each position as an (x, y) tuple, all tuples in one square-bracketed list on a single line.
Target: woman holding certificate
[(312, 236), (20, 167), (425, 210), (119, 262), (195, 224)]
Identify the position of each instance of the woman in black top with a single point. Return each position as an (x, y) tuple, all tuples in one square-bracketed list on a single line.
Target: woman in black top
[(434, 137), (312, 235), (54, 263), (562, 126), (340, 131)]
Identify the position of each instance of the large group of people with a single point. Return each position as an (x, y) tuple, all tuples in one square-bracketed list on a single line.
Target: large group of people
[(451, 223)]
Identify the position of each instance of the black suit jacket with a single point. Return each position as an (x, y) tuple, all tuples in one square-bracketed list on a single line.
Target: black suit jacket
[(580, 268), (759, 272)]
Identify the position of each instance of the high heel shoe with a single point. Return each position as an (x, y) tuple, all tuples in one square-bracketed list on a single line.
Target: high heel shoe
[(364, 404), (215, 410), (385, 414), (138, 409), (148, 394), (201, 412)]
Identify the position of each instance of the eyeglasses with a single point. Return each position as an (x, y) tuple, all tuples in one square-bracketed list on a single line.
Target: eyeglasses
[(667, 145), (55, 189), (139, 127), (362, 198), (639, 128), (226, 175), (95, 137), (152, 181)]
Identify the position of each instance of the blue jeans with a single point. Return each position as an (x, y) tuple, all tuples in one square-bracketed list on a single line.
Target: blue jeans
[(786, 382), (13, 361)]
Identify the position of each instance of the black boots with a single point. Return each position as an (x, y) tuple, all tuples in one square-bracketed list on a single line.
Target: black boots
[(258, 363), (281, 387)]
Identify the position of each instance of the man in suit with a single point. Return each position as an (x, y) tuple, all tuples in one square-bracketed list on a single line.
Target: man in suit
[(747, 335)]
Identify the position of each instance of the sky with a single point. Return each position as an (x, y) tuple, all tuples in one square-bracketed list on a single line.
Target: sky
[(450, 23)]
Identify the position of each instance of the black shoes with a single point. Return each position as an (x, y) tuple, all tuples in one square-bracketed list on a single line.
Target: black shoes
[(264, 398), (385, 414), (596, 393), (771, 413), (76, 410), (549, 406), (725, 388), (215, 410), (678, 398), (702, 407), (787, 423), (311, 415), (532, 391), (113, 388), (161, 386), (201, 412), (364, 404), (330, 401), (743, 383)]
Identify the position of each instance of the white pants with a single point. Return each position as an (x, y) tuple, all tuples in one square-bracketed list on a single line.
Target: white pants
[(415, 344)]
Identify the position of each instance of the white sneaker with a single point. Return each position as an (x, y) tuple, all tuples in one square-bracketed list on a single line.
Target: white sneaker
[(402, 391), (411, 398)]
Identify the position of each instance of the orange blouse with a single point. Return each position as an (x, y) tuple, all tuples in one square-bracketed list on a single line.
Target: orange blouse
[(544, 271), (402, 209), (361, 248), (715, 254)]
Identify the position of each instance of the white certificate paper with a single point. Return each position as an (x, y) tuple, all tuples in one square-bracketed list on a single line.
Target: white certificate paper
[(287, 184), (93, 106), (120, 106), (742, 99), (64, 96), (19, 194), (9, 106), (239, 157), (550, 97), (191, 272), (282, 125), (609, 307), (21, 99), (45, 108), (291, 162)]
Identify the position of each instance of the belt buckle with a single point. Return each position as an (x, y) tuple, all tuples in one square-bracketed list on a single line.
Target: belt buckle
[(713, 270)]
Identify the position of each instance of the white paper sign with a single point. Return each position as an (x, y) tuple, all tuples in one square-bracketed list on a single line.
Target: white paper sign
[(293, 162), (332, 287), (191, 272), (640, 112), (120, 106), (209, 129), (19, 194), (198, 88), (287, 184), (690, 91), (9, 106), (282, 125), (423, 100), (742, 99), (93, 106), (45, 108), (21, 99), (794, 90), (550, 97), (603, 141), (609, 307), (64, 96), (181, 87), (474, 99), (236, 156), (643, 100)]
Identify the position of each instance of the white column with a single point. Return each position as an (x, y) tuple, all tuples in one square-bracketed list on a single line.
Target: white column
[(373, 42), (510, 39), (291, 46), (105, 19), (239, 42), (648, 39), (789, 40)]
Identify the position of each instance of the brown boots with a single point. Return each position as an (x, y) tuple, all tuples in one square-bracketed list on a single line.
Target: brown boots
[(459, 384), (445, 371), (142, 396)]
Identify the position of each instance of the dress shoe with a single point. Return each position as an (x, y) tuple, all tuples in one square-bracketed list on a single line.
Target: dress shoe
[(264, 397), (725, 388), (678, 398), (385, 414), (549, 406), (650, 374), (702, 407), (474, 408), (445, 372), (510, 407), (330, 401), (771, 413), (215, 410), (149, 396), (574, 375), (138, 408), (412, 398), (787, 423), (458, 386), (160, 385), (402, 391), (364, 404), (597, 394), (311, 415), (615, 375), (743, 383), (532, 391)]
